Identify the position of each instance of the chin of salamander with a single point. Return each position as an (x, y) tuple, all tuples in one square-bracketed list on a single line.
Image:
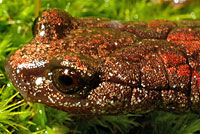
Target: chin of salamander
[(100, 66)]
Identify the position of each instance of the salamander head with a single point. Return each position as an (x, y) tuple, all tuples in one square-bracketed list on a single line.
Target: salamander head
[(58, 80), (46, 70)]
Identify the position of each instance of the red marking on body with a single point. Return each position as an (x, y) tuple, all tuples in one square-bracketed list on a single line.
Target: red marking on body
[(172, 59), (183, 70), (159, 23), (154, 23), (191, 46), (182, 34)]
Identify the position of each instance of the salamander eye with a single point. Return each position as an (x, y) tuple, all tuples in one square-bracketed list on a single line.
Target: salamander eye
[(66, 80)]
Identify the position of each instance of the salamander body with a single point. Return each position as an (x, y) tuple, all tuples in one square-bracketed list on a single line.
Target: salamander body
[(99, 66)]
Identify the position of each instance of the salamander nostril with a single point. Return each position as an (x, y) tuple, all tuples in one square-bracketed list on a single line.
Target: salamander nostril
[(65, 80)]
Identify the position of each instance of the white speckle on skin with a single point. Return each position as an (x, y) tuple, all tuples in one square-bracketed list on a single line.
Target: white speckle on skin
[(39, 81), (86, 104), (34, 64), (50, 73), (143, 85), (111, 102), (42, 33), (51, 100), (18, 71), (42, 26), (28, 83), (110, 74), (66, 71)]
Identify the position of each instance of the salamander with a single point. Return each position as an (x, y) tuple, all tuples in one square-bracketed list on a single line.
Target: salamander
[(99, 66)]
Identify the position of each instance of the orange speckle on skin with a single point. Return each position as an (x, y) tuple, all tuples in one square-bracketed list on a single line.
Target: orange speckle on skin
[(18, 60), (67, 57), (171, 69), (96, 41)]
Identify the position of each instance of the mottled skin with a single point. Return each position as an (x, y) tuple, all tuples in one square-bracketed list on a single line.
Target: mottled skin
[(97, 66)]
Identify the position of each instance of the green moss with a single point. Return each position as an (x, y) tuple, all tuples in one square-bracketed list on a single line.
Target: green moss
[(17, 116)]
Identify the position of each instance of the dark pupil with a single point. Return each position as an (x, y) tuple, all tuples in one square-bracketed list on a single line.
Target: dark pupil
[(65, 80)]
